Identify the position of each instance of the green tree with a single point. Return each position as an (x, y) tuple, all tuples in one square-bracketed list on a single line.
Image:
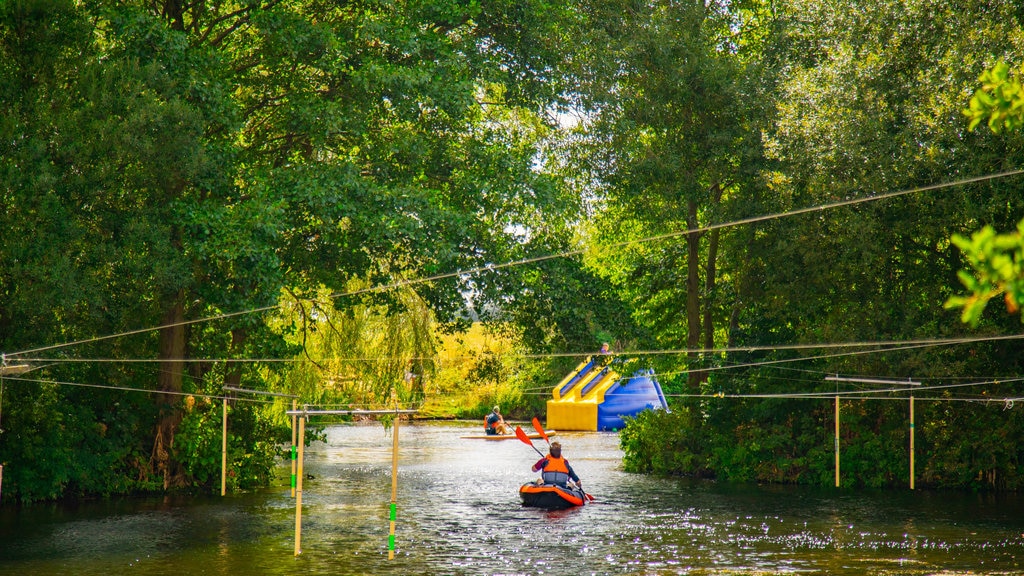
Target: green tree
[(868, 100), (670, 142), (189, 160)]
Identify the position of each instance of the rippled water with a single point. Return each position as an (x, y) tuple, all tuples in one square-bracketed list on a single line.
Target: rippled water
[(458, 513)]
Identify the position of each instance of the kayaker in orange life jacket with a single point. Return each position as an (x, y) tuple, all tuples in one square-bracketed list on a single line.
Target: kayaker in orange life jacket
[(556, 470)]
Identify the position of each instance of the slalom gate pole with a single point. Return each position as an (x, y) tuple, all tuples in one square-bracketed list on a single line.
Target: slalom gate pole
[(298, 489), (837, 441), (394, 488), (224, 450), (911, 441), (294, 452)]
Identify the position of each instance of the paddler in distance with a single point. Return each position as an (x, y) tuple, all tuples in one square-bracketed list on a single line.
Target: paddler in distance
[(494, 424)]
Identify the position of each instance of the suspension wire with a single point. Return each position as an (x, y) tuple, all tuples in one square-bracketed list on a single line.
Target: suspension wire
[(1007, 401), (542, 258), (868, 394), (894, 345), (765, 363), (365, 406), (143, 390), (181, 360)]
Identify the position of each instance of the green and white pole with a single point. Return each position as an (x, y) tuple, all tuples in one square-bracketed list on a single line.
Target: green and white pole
[(394, 488), (295, 453)]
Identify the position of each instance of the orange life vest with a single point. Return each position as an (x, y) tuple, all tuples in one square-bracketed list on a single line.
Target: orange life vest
[(556, 471), (491, 428)]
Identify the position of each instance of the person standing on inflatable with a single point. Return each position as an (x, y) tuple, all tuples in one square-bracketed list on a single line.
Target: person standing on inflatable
[(494, 424), (556, 470)]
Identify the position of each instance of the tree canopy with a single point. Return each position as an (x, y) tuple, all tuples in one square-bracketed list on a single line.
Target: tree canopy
[(299, 196)]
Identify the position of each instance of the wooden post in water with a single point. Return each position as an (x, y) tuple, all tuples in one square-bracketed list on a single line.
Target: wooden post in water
[(394, 487), (911, 441), (224, 451), (294, 406), (837, 441), (298, 489)]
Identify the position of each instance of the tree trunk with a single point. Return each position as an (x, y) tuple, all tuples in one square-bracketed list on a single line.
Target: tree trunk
[(708, 325), (692, 290), (233, 375), (169, 379), (174, 11), (710, 283)]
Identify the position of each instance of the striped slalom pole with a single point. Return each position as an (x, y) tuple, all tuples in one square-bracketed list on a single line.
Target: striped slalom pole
[(298, 490), (394, 488), (837, 441), (911, 441), (295, 453), (224, 449)]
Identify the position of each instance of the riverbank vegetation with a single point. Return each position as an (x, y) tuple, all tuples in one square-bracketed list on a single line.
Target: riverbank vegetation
[(446, 205)]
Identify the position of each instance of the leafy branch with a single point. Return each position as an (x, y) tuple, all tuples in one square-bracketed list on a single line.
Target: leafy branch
[(999, 102), (996, 259), (998, 264)]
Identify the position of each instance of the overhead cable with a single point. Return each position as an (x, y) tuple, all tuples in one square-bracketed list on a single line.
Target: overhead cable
[(536, 259)]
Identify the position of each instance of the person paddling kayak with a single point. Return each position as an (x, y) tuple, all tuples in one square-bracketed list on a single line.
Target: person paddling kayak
[(556, 470)]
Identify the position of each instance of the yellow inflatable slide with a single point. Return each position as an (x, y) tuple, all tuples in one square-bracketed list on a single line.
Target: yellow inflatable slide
[(595, 397)]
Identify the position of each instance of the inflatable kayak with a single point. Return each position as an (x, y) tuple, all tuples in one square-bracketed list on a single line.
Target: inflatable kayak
[(532, 436), (551, 496)]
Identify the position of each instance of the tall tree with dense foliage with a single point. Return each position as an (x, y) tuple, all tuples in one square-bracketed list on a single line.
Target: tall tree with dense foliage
[(870, 101), (177, 161), (671, 142)]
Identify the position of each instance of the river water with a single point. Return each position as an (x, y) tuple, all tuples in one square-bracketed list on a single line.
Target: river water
[(459, 513)]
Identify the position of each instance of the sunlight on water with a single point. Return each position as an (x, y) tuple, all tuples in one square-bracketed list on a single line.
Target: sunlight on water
[(459, 513)]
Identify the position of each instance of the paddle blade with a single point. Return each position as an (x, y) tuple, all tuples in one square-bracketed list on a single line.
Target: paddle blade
[(526, 440), (540, 430), (522, 436)]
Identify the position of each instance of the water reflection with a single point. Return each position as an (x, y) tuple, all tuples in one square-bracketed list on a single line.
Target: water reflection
[(458, 513)]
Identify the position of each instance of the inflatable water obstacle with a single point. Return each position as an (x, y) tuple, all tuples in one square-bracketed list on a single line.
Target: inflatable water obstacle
[(596, 397)]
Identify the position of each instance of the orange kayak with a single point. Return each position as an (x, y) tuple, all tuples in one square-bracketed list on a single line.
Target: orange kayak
[(551, 496)]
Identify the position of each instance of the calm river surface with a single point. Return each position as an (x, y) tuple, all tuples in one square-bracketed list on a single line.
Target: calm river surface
[(459, 513)]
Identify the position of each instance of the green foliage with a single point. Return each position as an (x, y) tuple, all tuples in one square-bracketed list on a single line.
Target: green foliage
[(75, 445), (664, 443), (999, 102), (481, 368), (198, 444), (171, 163), (185, 160), (997, 262), (358, 350), (995, 259)]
